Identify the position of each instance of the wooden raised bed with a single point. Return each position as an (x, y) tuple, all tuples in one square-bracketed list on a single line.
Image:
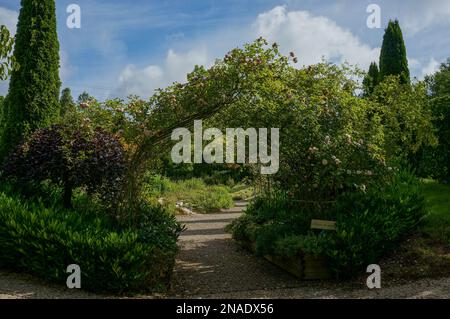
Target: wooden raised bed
[(304, 266)]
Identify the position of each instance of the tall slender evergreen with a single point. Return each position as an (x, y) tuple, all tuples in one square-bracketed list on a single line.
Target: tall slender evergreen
[(66, 101), (393, 58), (372, 79), (33, 97)]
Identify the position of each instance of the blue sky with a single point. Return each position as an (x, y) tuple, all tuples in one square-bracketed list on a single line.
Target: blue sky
[(134, 47)]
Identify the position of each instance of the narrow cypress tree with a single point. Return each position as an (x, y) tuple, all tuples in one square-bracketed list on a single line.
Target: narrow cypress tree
[(66, 101), (33, 97), (393, 58), (371, 80)]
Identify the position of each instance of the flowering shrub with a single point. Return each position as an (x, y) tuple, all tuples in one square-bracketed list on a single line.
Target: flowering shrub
[(329, 142), (332, 141), (145, 127)]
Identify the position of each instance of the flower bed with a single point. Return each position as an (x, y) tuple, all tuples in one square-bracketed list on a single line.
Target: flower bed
[(303, 266), (368, 226)]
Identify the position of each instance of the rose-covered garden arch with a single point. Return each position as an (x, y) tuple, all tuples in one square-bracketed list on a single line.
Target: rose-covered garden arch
[(331, 139), (238, 77)]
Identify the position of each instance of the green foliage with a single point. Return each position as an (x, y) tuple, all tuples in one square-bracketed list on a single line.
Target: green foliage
[(145, 127), (85, 97), (121, 118), (33, 97), (393, 58), (194, 193), (244, 228), (435, 161), (44, 241), (7, 62), (211, 199), (369, 224), (243, 191), (437, 223), (439, 83), (330, 143), (269, 219), (405, 114), (371, 79), (331, 140), (236, 77), (66, 101), (212, 174), (290, 246), (441, 109)]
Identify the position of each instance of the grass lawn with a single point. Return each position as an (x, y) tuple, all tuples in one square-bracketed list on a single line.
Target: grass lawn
[(437, 224), (242, 192), (427, 253), (193, 193)]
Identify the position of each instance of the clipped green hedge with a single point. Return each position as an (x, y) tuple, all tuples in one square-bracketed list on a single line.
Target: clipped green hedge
[(44, 241)]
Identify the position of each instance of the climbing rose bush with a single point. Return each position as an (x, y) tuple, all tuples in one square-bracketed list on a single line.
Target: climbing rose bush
[(329, 142)]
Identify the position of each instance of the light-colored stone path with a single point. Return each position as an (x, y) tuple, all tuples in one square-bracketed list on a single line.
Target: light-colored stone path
[(211, 262), (212, 265), (24, 286)]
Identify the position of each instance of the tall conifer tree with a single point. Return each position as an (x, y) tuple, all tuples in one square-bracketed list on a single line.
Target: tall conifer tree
[(33, 97), (67, 103), (393, 58), (371, 80)]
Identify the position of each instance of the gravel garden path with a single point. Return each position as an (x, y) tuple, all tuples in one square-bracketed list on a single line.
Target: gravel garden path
[(212, 265)]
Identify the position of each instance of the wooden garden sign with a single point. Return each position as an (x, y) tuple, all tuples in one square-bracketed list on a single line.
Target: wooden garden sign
[(323, 224)]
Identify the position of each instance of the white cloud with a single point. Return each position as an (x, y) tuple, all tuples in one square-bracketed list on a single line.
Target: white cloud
[(414, 63), (422, 69), (143, 82), (418, 15), (431, 68), (9, 18), (313, 37)]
